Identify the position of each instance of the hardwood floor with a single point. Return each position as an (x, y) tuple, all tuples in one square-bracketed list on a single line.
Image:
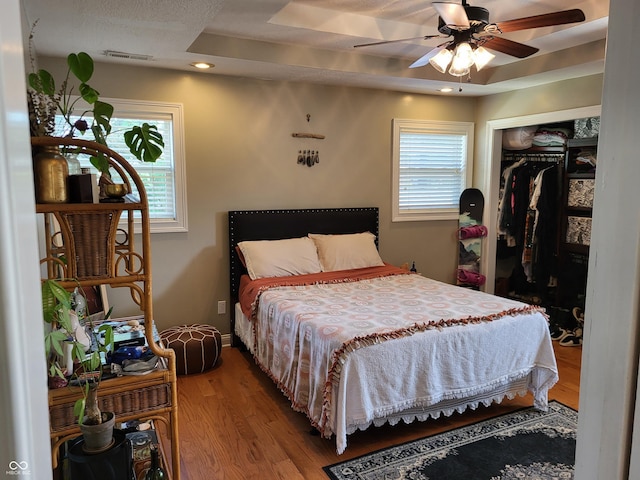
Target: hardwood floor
[(234, 424)]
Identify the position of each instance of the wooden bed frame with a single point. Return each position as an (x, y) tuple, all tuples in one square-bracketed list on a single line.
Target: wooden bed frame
[(278, 224)]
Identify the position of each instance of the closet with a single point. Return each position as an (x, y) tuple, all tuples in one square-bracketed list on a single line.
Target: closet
[(546, 196)]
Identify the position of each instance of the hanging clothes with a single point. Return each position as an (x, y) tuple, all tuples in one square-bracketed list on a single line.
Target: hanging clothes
[(528, 218), (531, 240), (505, 207), (548, 206)]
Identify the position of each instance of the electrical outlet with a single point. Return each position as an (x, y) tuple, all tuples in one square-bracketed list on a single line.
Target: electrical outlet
[(222, 307)]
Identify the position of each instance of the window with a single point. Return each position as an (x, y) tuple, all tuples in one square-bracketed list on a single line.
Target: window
[(431, 168), (163, 179)]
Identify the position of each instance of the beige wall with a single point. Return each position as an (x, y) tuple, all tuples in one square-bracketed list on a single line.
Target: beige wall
[(241, 155)]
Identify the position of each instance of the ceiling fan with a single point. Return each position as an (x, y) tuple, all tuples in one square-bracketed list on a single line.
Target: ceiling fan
[(473, 34)]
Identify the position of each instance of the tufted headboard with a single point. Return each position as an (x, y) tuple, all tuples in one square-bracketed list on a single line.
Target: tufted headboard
[(279, 224)]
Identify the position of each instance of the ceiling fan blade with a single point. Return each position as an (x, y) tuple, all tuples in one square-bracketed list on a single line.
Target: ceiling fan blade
[(424, 37), (423, 60), (546, 20), (453, 15), (515, 49)]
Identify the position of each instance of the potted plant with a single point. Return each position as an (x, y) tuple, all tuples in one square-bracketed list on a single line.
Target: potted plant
[(45, 99), (57, 310)]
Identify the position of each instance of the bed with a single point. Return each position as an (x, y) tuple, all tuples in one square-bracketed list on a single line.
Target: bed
[(355, 342)]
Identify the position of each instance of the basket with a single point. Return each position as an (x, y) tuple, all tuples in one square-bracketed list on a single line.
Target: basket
[(125, 403), (89, 239)]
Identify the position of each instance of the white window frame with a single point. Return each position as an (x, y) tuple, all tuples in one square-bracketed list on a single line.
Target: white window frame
[(429, 127), (149, 110)]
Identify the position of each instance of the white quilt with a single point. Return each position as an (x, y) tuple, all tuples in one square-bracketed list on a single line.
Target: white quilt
[(400, 347)]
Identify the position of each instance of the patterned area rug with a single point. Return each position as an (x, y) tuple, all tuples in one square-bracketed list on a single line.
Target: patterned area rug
[(526, 444)]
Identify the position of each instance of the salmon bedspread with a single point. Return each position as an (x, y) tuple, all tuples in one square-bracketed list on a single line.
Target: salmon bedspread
[(368, 346)]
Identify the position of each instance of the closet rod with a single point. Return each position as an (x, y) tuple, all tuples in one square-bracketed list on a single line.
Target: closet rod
[(540, 157)]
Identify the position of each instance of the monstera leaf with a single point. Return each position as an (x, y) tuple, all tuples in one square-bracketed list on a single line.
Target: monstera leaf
[(144, 142)]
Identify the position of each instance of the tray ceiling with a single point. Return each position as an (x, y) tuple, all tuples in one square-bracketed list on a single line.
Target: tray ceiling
[(312, 40)]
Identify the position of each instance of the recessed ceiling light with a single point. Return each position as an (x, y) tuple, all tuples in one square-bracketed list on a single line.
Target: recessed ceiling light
[(202, 65), (446, 90)]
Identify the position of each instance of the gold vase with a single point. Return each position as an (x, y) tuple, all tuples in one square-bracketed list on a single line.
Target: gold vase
[(50, 170)]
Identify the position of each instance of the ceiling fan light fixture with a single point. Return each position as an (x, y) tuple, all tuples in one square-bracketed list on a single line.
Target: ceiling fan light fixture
[(482, 57), (441, 61), (458, 71), (462, 60), (463, 56)]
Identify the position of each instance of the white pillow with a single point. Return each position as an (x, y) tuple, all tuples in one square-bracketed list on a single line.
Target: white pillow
[(280, 258), (344, 252)]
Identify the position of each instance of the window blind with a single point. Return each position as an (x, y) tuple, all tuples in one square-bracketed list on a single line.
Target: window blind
[(431, 170)]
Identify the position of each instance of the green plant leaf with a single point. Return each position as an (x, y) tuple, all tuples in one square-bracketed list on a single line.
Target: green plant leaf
[(77, 352), (81, 65), (64, 319), (54, 340), (78, 407), (102, 113), (144, 142), (88, 93), (56, 301), (100, 163), (48, 302), (108, 337), (42, 82), (61, 294), (34, 81), (55, 371)]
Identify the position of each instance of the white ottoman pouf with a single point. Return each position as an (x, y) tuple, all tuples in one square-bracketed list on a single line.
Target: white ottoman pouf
[(197, 347)]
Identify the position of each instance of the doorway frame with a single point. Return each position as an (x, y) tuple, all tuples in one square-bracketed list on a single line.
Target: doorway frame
[(490, 182)]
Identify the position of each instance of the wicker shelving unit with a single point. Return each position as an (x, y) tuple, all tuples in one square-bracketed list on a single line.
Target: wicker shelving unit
[(85, 243)]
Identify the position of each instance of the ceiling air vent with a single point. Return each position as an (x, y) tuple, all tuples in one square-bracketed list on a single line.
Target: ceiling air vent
[(126, 56)]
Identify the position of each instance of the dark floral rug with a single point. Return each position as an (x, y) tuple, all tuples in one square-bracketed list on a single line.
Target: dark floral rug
[(526, 444)]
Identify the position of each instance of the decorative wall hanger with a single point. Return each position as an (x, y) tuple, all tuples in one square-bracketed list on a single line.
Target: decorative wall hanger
[(308, 157), (308, 135)]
